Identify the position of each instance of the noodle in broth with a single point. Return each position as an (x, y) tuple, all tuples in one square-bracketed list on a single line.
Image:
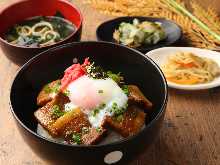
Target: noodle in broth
[(40, 31)]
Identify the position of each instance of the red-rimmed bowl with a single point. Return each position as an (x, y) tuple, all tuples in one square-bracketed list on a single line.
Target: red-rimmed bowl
[(19, 11)]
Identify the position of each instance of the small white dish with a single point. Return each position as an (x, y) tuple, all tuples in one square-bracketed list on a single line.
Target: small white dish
[(159, 56)]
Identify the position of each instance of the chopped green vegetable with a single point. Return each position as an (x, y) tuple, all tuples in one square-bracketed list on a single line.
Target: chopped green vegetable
[(56, 87), (116, 110), (116, 77), (56, 111), (99, 129), (114, 105), (76, 137), (95, 112), (101, 106), (52, 88), (66, 92), (47, 89), (125, 89)]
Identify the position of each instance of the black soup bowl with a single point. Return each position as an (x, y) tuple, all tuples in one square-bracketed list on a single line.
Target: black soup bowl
[(50, 65)]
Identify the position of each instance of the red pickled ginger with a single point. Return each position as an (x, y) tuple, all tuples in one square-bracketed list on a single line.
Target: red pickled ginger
[(73, 72)]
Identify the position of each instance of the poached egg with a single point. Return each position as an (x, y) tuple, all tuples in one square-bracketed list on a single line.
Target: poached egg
[(89, 94)]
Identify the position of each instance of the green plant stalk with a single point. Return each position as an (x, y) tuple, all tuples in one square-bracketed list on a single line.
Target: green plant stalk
[(211, 21), (172, 8), (178, 7)]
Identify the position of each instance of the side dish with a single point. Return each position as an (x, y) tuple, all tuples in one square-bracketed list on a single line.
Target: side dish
[(40, 31), (139, 33), (88, 104), (187, 69)]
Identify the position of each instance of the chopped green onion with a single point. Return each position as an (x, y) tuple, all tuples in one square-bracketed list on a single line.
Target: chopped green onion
[(66, 93), (125, 89), (47, 89), (95, 112), (116, 77), (76, 138), (99, 129), (56, 112), (56, 87), (101, 106), (116, 110), (53, 88)]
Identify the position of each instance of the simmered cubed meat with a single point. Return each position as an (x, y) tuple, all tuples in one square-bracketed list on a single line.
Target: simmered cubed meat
[(71, 122), (130, 123), (48, 92), (45, 115), (94, 136), (136, 97)]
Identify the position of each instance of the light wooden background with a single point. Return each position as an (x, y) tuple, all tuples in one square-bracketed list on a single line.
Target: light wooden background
[(190, 134)]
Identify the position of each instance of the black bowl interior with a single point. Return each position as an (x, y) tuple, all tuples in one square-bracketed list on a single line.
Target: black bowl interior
[(173, 31), (50, 65)]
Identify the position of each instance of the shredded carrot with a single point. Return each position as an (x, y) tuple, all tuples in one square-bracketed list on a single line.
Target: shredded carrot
[(187, 65), (185, 81)]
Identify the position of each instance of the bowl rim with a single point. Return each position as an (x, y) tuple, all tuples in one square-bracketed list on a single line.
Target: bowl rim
[(34, 133), (144, 48), (47, 46)]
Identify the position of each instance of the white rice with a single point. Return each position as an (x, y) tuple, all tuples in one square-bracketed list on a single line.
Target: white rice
[(43, 132), (111, 137)]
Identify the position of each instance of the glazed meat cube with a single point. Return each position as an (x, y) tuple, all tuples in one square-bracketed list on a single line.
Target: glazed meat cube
[(94, 136), (68, 123), (136, 97), (45, 115), (71, 122), (48, 92), (130, 123)]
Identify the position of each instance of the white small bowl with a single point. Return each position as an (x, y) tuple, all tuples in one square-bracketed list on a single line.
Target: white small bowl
[(160, 56)]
